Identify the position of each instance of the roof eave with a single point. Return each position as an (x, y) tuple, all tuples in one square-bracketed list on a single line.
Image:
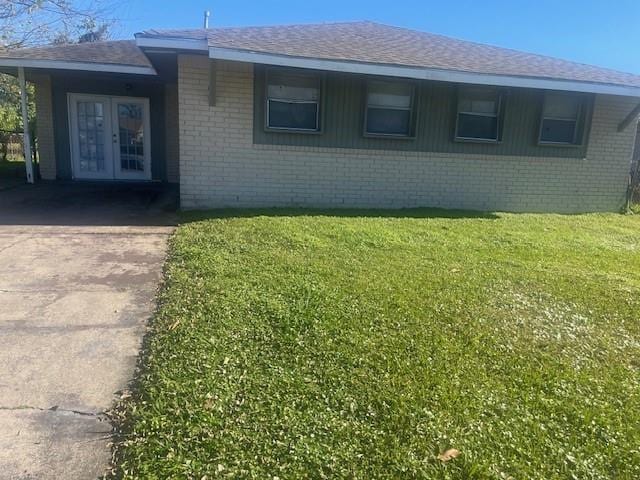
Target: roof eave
[(189, 44), (77, 66), (421, 73)]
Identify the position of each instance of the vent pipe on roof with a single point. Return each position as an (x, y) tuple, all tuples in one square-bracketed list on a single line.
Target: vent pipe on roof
[(207, 13)]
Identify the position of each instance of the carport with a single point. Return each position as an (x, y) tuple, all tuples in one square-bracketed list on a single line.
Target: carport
[(104, 112)]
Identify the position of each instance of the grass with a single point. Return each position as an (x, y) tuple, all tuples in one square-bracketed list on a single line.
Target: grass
[(357, 345)]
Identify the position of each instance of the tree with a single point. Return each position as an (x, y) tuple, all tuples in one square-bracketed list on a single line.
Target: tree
[(88, 31), (26, 23)]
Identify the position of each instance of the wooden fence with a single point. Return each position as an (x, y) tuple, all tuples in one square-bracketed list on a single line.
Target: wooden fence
[(11, 148)]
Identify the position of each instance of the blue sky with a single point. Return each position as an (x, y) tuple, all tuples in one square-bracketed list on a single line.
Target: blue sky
[(604, 33)]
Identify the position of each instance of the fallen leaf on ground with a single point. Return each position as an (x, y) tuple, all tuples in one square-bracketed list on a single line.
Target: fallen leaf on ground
[(449, 455)]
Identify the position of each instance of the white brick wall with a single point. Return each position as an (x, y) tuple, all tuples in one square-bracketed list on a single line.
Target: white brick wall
[(221, 167), (44, 125)]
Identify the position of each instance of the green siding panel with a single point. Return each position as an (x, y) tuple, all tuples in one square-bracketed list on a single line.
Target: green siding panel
[(343, 117)]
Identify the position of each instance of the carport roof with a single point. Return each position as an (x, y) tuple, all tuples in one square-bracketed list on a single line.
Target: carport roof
[(120, 56)]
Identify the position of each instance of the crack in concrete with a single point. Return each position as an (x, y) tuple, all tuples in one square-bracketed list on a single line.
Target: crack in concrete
[(31, 235), (74, 290), (48, 330), (56, 409), (14, 244)]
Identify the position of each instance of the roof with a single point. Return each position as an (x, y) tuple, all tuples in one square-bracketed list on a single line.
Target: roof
[(357, 47), (120, 56), (375, 44)]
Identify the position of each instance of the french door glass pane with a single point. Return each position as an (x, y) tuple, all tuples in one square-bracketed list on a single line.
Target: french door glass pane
[(91, 136), (131, 130)]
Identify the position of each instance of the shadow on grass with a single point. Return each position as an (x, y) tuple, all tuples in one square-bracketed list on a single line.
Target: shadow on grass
[(188, 216)]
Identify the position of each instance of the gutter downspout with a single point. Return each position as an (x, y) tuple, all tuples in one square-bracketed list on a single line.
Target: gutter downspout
[(26, 136)]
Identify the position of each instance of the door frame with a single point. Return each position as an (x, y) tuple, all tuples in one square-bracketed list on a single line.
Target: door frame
[(112, 144)]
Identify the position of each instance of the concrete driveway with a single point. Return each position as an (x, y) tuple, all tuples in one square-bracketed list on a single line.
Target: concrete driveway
[(79, 269)]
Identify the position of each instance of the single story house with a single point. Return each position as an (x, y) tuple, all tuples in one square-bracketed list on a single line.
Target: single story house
[(334, 115)]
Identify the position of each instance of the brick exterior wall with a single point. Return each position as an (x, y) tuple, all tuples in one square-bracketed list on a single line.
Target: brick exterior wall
[(172, 147), (221, 167), (44, 125)]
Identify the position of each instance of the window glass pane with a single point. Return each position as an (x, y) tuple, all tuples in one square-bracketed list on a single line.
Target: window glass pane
[(388, 121), (293, 101), (391, 94), (389, 108), (293, 115), (558, 131), (288, 92), (91, 136), (478, 100), (561, 106), (293, 87), (477, 126), (478, 113), (471, 105)]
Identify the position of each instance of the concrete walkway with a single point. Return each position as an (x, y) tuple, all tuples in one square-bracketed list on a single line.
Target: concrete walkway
[(79, 269)]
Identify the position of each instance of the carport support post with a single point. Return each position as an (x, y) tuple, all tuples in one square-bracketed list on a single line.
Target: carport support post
[(26, 136)]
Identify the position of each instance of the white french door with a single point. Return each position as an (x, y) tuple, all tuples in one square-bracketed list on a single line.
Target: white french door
[(110, 137)]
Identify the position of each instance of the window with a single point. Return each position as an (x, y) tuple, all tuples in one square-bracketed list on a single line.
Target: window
[(293, 101), (478, 114), (389, 109), (561, 118)]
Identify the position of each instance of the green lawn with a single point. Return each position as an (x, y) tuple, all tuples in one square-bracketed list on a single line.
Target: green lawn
[(345, 345)]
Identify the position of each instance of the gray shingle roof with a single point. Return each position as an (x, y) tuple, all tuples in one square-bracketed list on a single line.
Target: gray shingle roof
[(386, 45), (119, 52)]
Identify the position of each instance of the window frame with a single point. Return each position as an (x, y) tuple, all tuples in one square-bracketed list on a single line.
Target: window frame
[(499, 115), (579, 133), (413, 114), (320, 77)]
